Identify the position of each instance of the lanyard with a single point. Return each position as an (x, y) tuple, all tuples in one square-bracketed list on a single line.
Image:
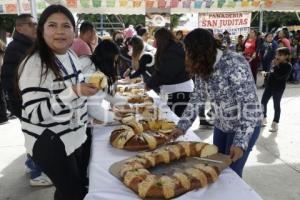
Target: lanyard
[(62, 67)]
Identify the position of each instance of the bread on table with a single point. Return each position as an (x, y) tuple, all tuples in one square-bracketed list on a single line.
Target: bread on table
[(136, 80), (98, 79), (135, 173), (146, 134), (136, 99)]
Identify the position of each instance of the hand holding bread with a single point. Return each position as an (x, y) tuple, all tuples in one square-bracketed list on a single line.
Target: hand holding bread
[(98, 80), (84, 89), (236, 153)]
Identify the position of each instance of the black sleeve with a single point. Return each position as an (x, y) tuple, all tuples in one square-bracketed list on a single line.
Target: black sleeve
[(283, 71), (170, 66), (144, 60), (11, 60)]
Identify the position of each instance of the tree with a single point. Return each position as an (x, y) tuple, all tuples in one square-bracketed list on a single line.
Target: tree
[(175, 20), (274, 20), (7, 24), (126, 20)]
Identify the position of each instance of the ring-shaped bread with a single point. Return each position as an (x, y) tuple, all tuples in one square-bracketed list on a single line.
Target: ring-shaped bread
[(136, 176), (147, 134)]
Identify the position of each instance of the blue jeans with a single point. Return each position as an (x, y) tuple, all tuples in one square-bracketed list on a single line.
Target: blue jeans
[(224, 141), (35, 171)]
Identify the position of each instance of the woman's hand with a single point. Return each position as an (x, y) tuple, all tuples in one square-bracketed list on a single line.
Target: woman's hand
[(126, 73), (176, 133), (236, 153), (84, 89)]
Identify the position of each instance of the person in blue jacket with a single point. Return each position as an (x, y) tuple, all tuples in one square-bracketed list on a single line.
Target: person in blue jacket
[(268, 52)]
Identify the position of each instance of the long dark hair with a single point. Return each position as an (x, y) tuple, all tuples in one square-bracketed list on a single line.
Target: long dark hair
[(201, 52), (164, 38), (284, 51), (137, 44), (104, 60), (40, 46)]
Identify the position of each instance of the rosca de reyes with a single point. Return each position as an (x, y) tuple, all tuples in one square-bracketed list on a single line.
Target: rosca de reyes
[(140, 135), (136, 175)]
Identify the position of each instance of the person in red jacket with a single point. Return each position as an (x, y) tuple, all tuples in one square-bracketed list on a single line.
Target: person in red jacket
[(250, 52)]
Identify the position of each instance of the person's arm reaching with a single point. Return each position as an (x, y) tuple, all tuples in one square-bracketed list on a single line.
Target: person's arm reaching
[(145, 59)]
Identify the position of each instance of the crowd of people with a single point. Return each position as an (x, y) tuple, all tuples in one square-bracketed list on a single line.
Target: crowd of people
[(43, 85), (260, 49)]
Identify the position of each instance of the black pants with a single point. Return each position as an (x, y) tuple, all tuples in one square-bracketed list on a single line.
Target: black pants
[(254, 64), (178, 101), (68, 173), (277, 95), (3, 109)]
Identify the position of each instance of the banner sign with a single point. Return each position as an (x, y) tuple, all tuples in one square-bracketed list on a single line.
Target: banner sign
[(158, 19), (236, 23), (79, 6), (140, 6)]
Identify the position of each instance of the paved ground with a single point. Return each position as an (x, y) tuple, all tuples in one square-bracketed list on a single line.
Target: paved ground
[(273, 168)]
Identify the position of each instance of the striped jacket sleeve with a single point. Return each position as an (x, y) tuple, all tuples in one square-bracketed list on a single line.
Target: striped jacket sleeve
[(39, 104)]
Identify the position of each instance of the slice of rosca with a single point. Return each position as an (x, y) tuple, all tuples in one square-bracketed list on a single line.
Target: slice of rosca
[(135, 176), (152, 142), (120, 141), (205, 150), (212, 172), (167, 125), (184, 180), (199, 149), (137, 127), (199, 175), (98, 79)]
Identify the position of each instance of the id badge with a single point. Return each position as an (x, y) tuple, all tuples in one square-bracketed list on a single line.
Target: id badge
[(73, 121)]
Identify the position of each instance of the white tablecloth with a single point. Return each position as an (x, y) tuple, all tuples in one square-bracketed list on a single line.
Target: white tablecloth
[(104, 186)]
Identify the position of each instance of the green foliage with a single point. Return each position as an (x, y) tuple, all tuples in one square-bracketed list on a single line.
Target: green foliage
[(126, 19), (175, 20), (7, 22), (133, 20), (273, 20)]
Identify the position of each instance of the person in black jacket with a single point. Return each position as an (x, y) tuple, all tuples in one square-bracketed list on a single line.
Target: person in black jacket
[(275, 85), (23, 37), (3, 109), (142, 60), (170, 75), (268, 51)]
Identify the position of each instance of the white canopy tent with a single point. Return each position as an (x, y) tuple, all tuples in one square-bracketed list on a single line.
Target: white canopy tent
[(140, 6)]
